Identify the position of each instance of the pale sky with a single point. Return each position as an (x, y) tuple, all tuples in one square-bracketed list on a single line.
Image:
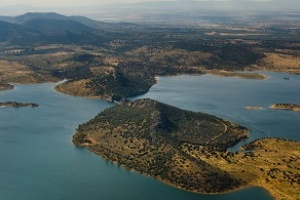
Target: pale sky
[(66, 2), (78, 2)]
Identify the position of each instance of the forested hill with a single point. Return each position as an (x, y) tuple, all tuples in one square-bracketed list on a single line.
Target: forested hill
[(188, 150), (147, 136)]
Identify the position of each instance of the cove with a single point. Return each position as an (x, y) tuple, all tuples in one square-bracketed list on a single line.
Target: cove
[(39, 161)]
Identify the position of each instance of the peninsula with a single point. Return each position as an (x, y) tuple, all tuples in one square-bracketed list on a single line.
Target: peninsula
[(186, 149), (150, 137)]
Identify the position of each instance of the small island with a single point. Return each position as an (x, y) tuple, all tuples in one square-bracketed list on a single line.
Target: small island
[(188, 150), (286, 106), (254, 108), (17, 104)]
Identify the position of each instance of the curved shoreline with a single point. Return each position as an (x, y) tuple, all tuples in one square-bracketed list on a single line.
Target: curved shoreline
[(195, 191), (117, 135), (222, 73), (270, 188)]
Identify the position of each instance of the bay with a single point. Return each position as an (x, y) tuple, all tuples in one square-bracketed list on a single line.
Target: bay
[(39, 161)]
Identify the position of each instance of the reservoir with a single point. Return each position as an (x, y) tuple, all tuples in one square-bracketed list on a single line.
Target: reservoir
[(39, 161)]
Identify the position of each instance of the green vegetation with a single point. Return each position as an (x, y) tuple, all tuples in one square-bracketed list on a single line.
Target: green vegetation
[(188, 150), (115, 61), (17, 104), (147, 136)]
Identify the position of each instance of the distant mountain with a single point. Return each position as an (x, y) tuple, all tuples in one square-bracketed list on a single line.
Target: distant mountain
[(38, 20), (55, 25), (46, 16), (8, 31), (156, 11), (32, 28), (36, 15), (86, 21)]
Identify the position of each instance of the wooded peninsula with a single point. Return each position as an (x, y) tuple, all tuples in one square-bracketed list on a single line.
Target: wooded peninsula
[(189, 150)]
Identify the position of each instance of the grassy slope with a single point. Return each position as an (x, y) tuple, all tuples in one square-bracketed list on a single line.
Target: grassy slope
[(269, 163)]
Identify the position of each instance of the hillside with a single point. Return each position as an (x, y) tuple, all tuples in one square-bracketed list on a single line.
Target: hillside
[(188, 150), (116, 60), (146, 136), (9, 31), (43, 28), (111, 86)]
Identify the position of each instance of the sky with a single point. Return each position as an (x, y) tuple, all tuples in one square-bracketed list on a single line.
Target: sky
[(65, 2), (78, 2)]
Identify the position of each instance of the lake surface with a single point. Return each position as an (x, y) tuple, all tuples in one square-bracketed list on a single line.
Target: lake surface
[(228, 97), (39, 161)]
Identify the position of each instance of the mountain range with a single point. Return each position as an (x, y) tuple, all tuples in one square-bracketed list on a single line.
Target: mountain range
[(52, 27), (147, 11)]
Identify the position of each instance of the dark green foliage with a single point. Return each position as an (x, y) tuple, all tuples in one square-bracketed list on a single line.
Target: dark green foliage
[(120, 85), (163, 130), (10, 31), (225, 56), (155, 121), (75, 73), (234, 56)]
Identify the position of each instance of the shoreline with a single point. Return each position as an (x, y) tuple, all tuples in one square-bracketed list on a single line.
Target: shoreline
[(254, 75), (243, 187), (221, 73), (286, 106), (178, 187), (106, 155)]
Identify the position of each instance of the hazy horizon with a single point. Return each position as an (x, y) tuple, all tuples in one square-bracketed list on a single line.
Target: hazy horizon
[(145, 10), (72, 3)]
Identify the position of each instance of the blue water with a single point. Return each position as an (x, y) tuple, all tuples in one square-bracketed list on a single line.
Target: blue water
[(39, 161), (228, 97)]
